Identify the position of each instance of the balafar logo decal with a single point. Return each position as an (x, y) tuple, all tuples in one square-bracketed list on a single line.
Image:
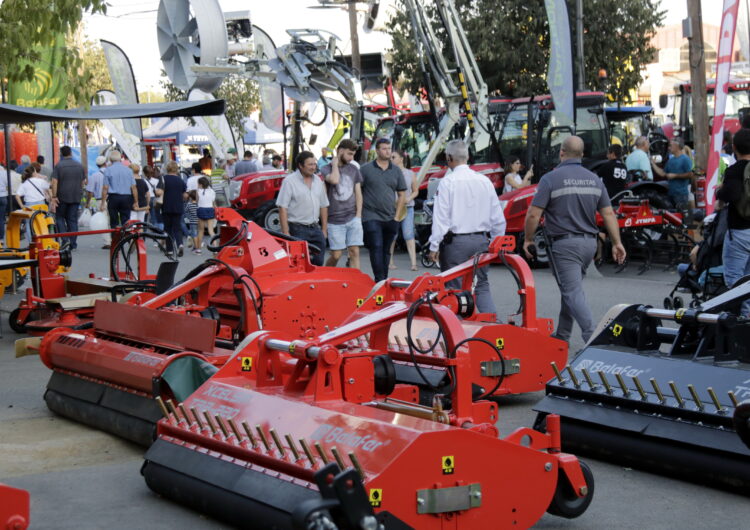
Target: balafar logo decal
[(614, 369), (40, 85), (329, 434)]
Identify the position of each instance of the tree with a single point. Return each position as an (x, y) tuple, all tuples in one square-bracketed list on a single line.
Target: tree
[(240, 93), (510, 40), (27, 25), (93, 68)]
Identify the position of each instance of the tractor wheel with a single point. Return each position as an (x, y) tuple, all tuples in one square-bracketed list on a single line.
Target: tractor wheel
[(267, 216), (15, 324), (541, 259), (566, 503)]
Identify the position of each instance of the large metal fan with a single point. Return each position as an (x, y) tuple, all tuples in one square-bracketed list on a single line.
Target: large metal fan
[(191, 32)]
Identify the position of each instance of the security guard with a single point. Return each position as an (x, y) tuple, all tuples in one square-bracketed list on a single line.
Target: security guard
[(569, 197), (465, 213)]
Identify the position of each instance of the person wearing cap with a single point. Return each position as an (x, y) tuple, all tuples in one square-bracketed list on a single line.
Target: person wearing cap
[(68, 181), (96, 181)]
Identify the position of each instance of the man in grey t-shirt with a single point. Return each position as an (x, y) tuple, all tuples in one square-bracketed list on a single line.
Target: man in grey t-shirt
[(68, 180), (569, 197), (344, 188), (381, 179)]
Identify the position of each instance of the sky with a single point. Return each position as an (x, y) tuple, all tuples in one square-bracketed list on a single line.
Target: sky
[(131, 24)]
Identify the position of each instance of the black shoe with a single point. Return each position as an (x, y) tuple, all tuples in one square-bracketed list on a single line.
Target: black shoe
[(105, 247)]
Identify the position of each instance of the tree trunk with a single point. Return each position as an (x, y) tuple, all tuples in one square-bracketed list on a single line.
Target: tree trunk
[(698, 82), (83, 140)]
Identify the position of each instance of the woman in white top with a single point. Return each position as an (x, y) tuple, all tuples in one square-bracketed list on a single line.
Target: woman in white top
[(407, 223), (513, 180), (33, 191), (34, 188), (206, 213)]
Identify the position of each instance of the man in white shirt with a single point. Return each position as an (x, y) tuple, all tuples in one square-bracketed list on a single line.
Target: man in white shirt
[(638, 160), (192, 181), (303, 206), (466, 212)]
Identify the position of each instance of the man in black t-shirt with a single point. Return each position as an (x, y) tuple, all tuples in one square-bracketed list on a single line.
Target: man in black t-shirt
[(614, 173), (736, 252)]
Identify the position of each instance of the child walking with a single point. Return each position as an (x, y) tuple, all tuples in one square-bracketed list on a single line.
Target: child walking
[(191, 221)]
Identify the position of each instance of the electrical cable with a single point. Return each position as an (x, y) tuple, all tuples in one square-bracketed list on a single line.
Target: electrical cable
[(237, 293), (412, 347), (236, 238), (497, 351)]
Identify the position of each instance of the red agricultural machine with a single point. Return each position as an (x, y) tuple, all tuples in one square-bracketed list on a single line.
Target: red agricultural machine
[(54, 300), (267, 437), (167, 344), (14, 508)]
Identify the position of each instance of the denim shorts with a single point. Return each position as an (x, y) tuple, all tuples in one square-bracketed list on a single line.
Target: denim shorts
[(341, 237), (205, 213), (407, 224), (192, 229)]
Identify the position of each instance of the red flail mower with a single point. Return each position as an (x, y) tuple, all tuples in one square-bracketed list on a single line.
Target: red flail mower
[(322, 432), (167, 344)]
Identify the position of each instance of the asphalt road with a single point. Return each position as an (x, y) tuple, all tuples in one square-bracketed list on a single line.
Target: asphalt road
[(81, 478)]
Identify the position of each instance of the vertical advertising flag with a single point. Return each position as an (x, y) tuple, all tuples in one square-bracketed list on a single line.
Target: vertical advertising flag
[(216, 127), (47, 88), (271, 96), (560, 70), (123, 83), (129, 143), (723, 65)]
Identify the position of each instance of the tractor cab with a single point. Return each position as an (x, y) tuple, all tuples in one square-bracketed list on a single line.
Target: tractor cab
[(534, 131)]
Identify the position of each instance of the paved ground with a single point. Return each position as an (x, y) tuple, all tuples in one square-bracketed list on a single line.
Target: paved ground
[(81, 478)]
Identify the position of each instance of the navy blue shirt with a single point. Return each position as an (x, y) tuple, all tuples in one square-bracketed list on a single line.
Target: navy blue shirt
[(174, 188)]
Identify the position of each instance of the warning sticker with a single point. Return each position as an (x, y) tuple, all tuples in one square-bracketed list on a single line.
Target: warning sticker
[(360, 301), (379, 299), (500, 343), (616, 330), (448, 463), (376, 497), (247, 364)]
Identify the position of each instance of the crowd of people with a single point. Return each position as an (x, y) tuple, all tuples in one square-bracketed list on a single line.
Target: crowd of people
[(338, 206)]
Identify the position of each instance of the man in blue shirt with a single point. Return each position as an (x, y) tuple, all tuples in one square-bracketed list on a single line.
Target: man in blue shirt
[(638, 160), (118, 192), (679, 172)]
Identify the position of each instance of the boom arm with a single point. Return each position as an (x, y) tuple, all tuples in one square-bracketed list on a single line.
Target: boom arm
[(471, 88)]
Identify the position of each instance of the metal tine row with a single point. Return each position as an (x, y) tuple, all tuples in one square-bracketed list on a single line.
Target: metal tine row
[(228, 428), (402, 346), (609, 388)]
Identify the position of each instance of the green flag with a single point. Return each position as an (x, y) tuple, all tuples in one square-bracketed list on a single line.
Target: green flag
[(46, 89)]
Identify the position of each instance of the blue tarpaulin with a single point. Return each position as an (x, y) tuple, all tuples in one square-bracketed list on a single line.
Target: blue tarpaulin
[(178, 129)]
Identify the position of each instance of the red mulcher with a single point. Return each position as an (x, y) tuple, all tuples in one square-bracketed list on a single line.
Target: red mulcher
[(265, 439)]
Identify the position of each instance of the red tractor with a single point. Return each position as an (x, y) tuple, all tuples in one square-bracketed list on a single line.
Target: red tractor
[(738, 103)]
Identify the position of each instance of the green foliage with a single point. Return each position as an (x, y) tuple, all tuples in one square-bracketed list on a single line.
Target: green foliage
[(25, 25), (510, 40), (240, 93), (93, 73)]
